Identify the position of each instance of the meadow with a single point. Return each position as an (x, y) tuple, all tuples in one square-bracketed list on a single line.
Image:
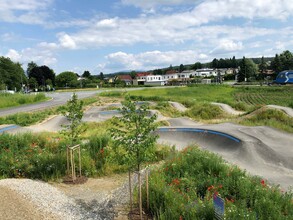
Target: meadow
[(11, 100), (198, 99), (241, 98)]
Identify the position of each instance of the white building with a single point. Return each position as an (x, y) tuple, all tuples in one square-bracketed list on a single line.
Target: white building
[(206, 72), (155, 80)]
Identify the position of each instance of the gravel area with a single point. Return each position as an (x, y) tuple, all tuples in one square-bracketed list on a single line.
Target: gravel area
[(31, 199)]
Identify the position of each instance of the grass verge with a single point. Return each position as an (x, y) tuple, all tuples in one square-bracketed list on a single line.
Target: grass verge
[(10, 100)]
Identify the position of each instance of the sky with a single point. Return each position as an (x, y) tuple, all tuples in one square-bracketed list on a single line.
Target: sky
[(118, 35)]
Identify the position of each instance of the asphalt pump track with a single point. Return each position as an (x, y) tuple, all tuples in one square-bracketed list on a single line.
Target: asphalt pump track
[(260, 150)]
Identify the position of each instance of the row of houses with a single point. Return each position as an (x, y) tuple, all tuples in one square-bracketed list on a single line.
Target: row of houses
[(172, 76)]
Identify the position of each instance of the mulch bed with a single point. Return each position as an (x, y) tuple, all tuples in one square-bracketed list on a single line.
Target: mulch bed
[(134, 215), (78, 180)]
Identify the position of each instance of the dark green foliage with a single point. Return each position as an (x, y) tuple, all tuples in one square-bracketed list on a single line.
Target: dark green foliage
[(42, 74), (11, 75), (248, 69), (67, 79)]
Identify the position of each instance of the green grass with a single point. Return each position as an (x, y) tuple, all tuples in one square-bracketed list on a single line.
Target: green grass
[(11, 100), (269, 117), (241, 98), (256, 96), (180, 191), (26, 119)]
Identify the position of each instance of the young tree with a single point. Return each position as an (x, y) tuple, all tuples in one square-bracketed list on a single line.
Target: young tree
[(134, 132), (74, 115)]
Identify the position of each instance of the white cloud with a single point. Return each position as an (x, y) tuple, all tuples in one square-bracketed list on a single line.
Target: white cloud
[(179, 27), (14, 55), (24, 11), (42, 54), (66, 41), (226, 45), (151, 59)]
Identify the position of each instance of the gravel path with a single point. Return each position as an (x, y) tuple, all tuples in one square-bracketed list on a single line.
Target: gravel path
[(15, 207), (34, 200)]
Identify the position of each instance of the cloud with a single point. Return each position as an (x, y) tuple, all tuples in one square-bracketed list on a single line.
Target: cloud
[(66, 41), (179, 27), (24, 11), (154, 3), (226, 45), (151, 59), (14, 55), (42, 54)]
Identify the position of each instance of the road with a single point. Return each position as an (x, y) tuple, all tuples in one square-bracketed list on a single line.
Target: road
[(57, 98)]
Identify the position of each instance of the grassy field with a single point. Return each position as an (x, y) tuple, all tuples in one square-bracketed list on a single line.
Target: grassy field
[(10, 100), (242, 98), (197, 99)]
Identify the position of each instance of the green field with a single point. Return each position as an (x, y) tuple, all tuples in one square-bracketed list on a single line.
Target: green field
[(10, 100), (198, 98), (242, 98)]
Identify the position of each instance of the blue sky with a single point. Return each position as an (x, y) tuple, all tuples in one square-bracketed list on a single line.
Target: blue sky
[(113, 35)]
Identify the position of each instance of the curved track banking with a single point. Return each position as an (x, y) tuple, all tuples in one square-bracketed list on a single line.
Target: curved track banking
[(228, 109), (260, 150)]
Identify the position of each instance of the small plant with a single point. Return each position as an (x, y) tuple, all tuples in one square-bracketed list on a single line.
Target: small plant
[(74, 115)]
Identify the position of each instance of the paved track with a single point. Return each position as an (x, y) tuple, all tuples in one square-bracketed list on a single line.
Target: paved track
[(261, 151)]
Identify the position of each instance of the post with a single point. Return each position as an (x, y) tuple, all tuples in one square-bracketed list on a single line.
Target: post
[(79, 155), (147, 190), (130, 193), (140, 197), (67, 155)]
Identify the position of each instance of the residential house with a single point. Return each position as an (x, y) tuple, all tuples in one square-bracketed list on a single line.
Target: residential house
[(141, 78), (206, 72), (126, 79)]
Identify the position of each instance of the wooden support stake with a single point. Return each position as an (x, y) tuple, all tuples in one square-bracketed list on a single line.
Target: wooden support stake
[(147, 190), (130, 190), (67, 156), (79, 155), (140, 196)]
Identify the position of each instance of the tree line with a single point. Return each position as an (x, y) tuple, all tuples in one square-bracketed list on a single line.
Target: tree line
[(42, 78)]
